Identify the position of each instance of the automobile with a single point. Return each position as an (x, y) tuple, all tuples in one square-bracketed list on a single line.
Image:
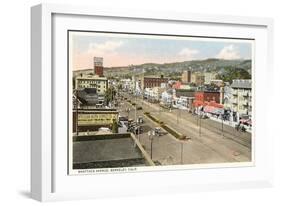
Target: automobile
[(131, 121), (122, 127), (159, 131), (140, 120), (104, 129), (135, 129), (245, 120), (138, 130), (240, 127), (204, 116)]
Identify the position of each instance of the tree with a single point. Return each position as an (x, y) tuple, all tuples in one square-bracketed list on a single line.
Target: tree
[(114, 126), (109, 95), (231, 73)]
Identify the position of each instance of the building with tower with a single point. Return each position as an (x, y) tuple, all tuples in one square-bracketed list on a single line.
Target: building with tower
[(98, 66)]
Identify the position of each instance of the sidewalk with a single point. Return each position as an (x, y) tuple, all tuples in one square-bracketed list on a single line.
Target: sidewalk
[(229, 123)]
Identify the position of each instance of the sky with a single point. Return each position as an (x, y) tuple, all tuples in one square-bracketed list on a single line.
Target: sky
[(128, 49)]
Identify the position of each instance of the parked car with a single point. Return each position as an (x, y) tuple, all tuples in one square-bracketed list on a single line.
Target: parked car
[(138, 130), (240, 127), (140, 120), (246, 121), (135, 129), (104, 129), (159, 131)]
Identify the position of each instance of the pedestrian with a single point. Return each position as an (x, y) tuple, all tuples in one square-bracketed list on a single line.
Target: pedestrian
[(238, 126)]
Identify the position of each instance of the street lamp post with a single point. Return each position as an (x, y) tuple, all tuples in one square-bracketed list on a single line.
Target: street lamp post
[(139, 133), (135, 108), (200, 125), (178, 116), (128, 110), (222, 126), (197, 116), (200, 119), (181, 152), (151, 134)]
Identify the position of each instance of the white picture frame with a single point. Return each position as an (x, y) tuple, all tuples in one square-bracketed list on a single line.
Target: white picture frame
[(51, 182)]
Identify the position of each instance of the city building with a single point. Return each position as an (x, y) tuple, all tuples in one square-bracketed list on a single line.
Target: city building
[(186, 76), (183, 102), (241, 98), (185, 93), (109, 151), (153, 81), (204, 97), (93, 119), (127, 84), (153, 94), (209, 76), (88, 97), (197, 78), (138, 90), (167, 98), (227, 97), (176, 85), (92, 81), (187, 87), (217, 82), (98, 66)]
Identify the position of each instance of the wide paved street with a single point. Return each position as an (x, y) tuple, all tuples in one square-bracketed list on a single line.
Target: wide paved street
[(209, 141)]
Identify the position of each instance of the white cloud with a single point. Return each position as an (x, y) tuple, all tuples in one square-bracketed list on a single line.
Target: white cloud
[(188, 53), (103, 48), (229, 52)]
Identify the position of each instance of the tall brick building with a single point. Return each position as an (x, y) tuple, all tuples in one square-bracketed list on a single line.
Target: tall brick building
[(206, 96), (98, 66), (153, 81)]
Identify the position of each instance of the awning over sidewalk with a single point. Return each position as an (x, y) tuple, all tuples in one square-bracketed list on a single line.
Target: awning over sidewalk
[(246, 121), (210, 107)]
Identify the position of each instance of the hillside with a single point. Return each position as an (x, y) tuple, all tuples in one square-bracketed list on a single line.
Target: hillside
[(215, 65)]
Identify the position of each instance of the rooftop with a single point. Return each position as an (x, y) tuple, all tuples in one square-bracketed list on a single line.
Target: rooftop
[(106, 152), (155, 77), (88, 96), (242, 83), (90, 77)]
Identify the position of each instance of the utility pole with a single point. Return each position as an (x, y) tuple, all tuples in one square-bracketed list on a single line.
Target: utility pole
[(181, 151), (135, 108), (200, 125), (197, 116), (200, 119), (128, 110), (151, 135), (139, 133), (151, 147), (178, 115), (222, 125)]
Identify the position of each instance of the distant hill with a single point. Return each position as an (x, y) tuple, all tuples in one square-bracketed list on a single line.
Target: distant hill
[(173, 70), (213, 64)]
